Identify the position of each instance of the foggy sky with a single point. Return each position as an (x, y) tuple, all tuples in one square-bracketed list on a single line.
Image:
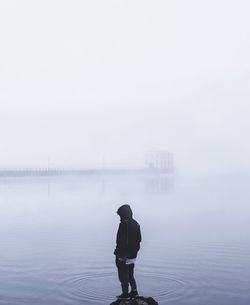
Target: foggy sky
[(87, 81)]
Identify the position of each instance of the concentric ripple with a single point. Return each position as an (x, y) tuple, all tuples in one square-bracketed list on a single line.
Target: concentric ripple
[(100, 287), (91, 287)]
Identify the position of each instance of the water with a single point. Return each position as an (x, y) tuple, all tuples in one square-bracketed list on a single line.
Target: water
[(58, 236)]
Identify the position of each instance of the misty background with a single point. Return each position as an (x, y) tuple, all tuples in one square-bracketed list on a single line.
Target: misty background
[(87, 81)]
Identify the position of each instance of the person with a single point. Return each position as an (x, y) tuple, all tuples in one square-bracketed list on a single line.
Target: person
[(128, 240)]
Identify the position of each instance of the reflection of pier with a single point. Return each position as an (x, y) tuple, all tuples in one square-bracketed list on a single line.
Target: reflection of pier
[(159, 183), (25, 172)]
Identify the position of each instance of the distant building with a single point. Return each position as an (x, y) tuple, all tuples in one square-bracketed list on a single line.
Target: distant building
[(159, 160)]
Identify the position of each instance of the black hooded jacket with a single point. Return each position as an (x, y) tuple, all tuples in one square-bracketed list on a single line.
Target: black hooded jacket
[(128, 236)]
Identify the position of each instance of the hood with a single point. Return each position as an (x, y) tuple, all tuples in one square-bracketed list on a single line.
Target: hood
[(125, 212)]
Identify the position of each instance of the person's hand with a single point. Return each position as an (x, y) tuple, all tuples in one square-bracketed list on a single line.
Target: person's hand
[(122, 259)]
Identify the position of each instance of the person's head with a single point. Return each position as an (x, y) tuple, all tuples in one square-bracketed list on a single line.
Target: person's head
[(125, 212)]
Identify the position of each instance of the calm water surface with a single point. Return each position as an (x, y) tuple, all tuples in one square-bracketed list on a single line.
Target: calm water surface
[(58, 236)]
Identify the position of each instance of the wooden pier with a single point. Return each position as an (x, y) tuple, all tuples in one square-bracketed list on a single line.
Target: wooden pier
[(45, 172)]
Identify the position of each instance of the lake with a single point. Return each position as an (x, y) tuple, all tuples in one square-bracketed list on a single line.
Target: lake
[(58, 236)]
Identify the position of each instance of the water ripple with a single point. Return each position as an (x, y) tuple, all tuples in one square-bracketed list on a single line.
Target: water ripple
[(91, 287), (99, 287)]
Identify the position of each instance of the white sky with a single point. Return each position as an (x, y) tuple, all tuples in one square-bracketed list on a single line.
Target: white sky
[(87, 80)]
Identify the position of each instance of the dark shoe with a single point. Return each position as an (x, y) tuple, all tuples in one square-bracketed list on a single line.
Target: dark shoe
[(123, 296), (134, 294)]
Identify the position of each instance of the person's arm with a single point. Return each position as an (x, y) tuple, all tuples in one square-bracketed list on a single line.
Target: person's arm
[(139, 233), (120, 250)]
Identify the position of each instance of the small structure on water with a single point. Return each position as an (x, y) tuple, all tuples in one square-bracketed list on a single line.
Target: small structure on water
[(160, 160)]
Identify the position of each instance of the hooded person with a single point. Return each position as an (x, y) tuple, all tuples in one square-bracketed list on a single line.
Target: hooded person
[(128, 240)]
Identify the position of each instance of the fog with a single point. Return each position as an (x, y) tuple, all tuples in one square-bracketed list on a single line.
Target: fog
[(87, 81)]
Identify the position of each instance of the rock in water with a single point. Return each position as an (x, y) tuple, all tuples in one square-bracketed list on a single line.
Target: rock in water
[(138, 301)]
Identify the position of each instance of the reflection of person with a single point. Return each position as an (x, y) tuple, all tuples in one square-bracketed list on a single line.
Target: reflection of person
[(127, 245)]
